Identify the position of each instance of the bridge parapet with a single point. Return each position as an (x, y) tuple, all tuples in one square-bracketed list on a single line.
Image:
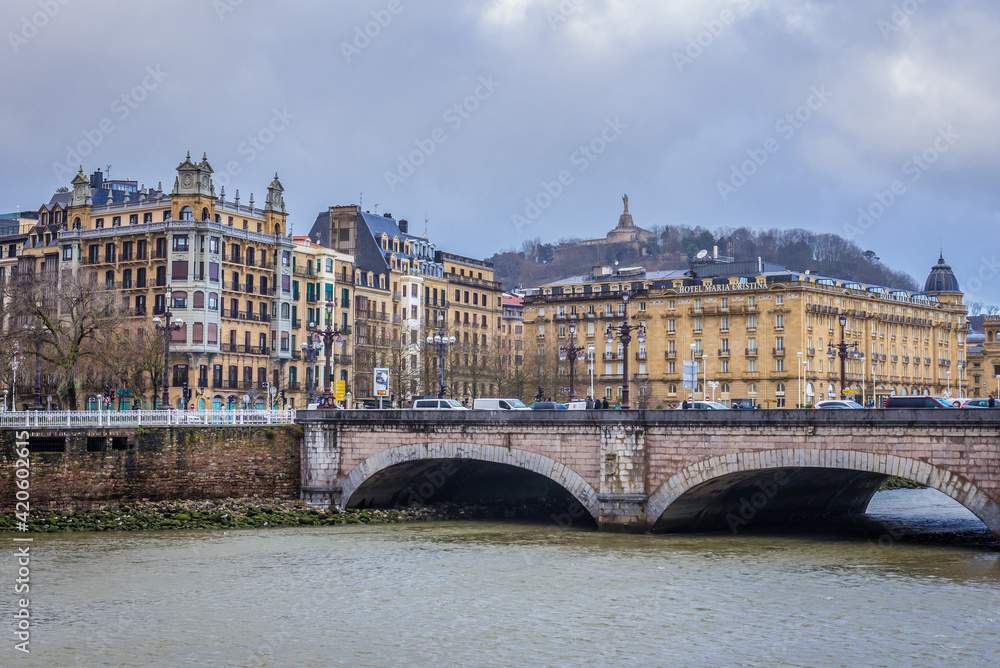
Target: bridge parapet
[(622, 460)]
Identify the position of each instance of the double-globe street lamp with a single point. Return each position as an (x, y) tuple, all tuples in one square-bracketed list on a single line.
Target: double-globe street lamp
[(843, 353), (166, 328), (624, 331), (441, 341), (572, 352)]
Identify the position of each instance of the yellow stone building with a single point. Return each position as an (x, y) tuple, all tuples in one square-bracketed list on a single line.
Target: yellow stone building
[(321, 278), (223, 267), (757, 333)]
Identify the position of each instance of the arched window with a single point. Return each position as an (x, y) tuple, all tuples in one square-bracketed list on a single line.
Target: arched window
[(752, 388), (205, 215), (277, 230), (76, 223), (198, 301), (779, 389), (724, 388), (186, 214)]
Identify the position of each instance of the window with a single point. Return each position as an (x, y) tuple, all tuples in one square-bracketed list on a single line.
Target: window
[(140, 250), (178, 270), (751, 322), (127, 278), (161, 276), (178, 299), (724, 324), (67, 253), (180, 242), (199, 300)]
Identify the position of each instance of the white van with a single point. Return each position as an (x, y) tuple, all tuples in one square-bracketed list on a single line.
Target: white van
[(438, 404), (499, 405)]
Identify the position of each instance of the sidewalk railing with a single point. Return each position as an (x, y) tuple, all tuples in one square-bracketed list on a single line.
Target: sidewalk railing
[(146, 418)]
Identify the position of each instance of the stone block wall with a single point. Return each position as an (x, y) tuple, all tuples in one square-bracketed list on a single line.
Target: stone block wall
[(100, 466)]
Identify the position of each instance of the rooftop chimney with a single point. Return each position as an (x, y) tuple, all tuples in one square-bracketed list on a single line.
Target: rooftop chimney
[(403, 226)]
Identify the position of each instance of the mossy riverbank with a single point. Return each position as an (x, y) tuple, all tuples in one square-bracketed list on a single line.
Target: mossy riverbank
[(214, 514), (900, 483), (252, 513)]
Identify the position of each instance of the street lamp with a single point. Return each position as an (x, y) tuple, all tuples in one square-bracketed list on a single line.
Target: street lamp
[(798, 379), (329, 335), (15, 364), (590, 366), (704, 385), (960, 393), (572, 352), (624, 331), (166, 328), (805, 370), (310, 348), (947, 392), (843, 353), (441, 341)]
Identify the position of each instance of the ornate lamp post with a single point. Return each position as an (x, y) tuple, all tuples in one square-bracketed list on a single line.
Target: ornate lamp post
[(329, 335), (311, 349), (166, 328), (441, 341), (572, 352), (624, 331), (843, 353)]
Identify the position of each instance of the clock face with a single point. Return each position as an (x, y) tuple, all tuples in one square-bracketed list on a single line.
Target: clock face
[(187, 180), (204, 181)]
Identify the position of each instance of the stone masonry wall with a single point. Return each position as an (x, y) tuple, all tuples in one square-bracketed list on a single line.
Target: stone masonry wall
[(639, 460), (156, 464)]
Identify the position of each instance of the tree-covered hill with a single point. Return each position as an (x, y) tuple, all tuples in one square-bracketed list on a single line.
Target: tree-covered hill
[(673, 247)]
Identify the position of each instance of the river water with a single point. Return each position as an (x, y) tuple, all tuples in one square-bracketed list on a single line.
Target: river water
[(477, 594)]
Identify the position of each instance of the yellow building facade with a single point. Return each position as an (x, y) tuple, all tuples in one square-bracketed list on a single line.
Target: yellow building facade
[(756, 333), (224, 268)]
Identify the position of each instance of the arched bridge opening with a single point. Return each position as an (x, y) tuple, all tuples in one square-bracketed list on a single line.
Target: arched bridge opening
[(508, 483), (805, 490)]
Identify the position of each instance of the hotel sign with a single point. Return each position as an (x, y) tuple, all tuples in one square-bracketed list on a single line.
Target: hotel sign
[(728, 287)]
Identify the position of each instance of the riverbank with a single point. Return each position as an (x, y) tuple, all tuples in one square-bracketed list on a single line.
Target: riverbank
[(249, 513)]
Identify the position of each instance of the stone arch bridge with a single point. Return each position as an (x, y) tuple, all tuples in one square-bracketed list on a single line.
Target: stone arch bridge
[(653, 470)]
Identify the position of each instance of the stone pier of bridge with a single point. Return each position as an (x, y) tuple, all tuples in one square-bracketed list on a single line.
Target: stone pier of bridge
[(655, 470)]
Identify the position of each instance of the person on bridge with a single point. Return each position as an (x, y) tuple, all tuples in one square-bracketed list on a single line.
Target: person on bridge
[(604, 404), (597, 404), (590, 402), (992, 402), (685, 405)]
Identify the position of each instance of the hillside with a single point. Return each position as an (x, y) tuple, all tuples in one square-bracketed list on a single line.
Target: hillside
[(673, 247)]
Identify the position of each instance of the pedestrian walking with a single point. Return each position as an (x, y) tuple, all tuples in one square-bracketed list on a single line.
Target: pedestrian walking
[(604, 404), (590, 402)]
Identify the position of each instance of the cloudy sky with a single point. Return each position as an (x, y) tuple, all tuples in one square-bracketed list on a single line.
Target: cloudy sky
[(505, 120)]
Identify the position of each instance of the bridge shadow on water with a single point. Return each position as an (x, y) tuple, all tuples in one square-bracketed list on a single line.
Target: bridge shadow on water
[(825, 504), (473, 490)]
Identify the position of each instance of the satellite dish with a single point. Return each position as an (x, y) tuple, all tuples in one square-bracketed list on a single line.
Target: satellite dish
[(702, 254)]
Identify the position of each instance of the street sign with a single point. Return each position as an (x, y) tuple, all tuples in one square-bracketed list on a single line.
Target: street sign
[(339, 389), (690, 379), (380, 383)]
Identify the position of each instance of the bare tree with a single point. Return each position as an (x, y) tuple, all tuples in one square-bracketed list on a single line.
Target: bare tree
[(71, 317)]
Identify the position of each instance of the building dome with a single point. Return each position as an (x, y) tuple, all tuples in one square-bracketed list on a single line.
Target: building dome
[(941, 278), (975, 338)]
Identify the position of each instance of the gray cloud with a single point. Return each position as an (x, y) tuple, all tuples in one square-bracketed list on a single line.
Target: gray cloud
[(564, 68)]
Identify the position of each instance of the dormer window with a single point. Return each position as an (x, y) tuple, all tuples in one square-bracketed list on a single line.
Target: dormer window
[(385, 242), (395, 245)]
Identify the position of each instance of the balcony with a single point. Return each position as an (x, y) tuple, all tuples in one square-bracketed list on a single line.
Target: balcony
[(810, 351), (670, 355), (640, 356), (724, 353), (751, 352), (294, 386), (778, 352), (296, 322), (343, 358), (609, 357)]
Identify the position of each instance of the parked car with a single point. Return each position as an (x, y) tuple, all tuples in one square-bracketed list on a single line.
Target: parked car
[(438, 404), (499, 405), (976, 403), (703, 405), (837, 403), (928, 401), (548, 406), (577, 405)]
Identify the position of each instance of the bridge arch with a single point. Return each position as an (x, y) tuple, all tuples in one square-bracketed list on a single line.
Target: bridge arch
[(703, 473), (558, 473)]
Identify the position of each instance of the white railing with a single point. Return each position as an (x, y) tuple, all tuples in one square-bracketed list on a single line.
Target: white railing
[(154, 418)]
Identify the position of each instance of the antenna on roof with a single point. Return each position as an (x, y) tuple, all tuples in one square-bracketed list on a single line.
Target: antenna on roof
[(361, 199), (109, 172), (425, 225), (376, 208)]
